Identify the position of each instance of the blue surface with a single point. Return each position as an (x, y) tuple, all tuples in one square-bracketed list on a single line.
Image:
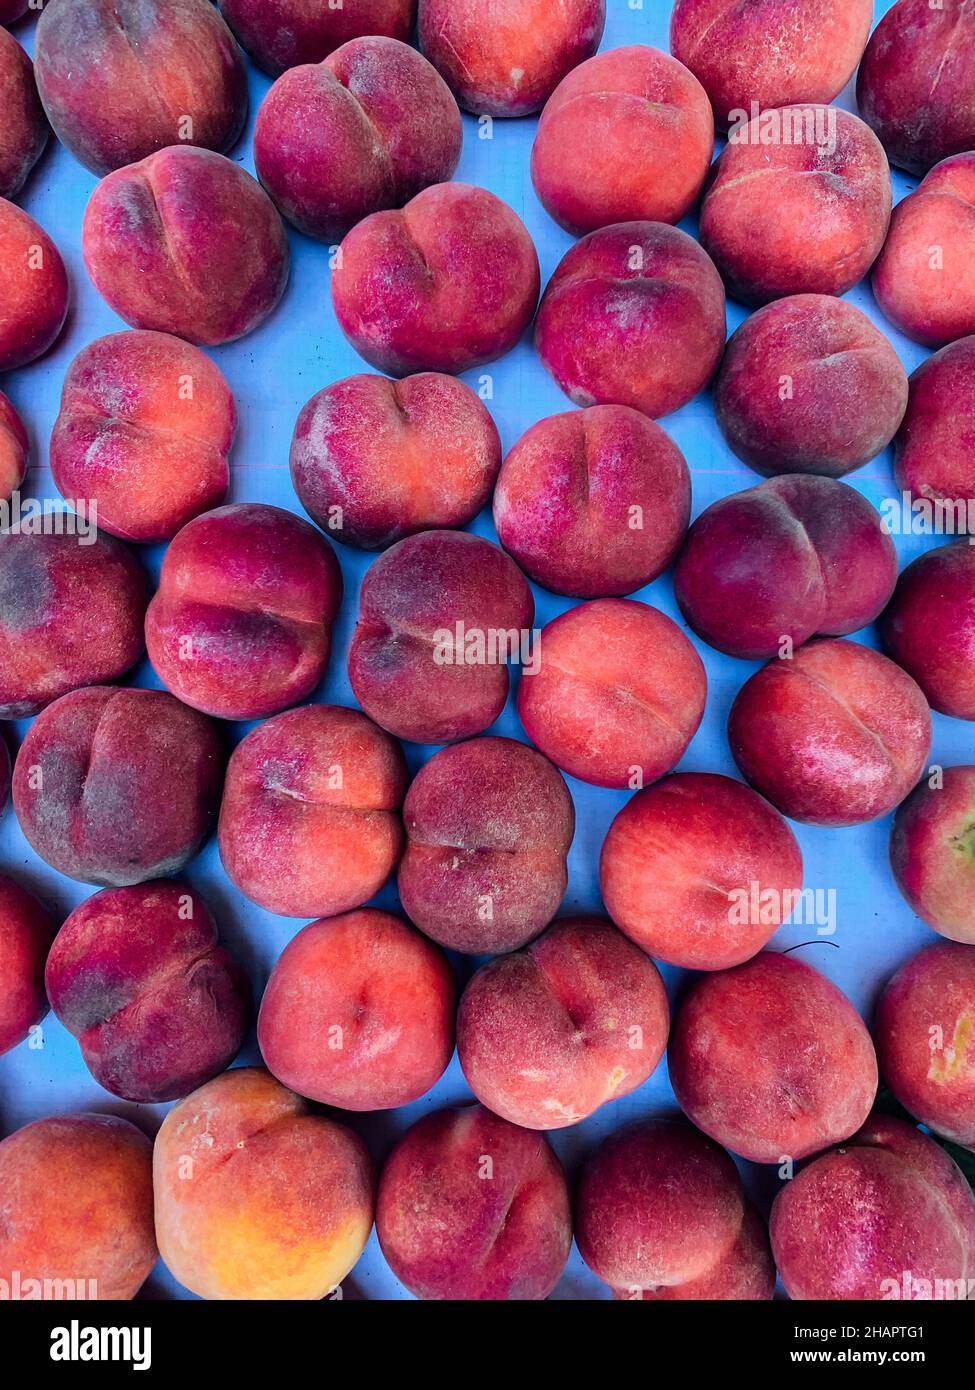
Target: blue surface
[(272, 372)]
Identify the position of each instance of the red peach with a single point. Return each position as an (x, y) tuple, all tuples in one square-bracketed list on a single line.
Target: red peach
[(33, 289), (13, 449), (374, 460), (633, 315), (683, 863), (932, 852), (929, 626), (745, 1274), (24, 132), (26, 932), (359, 1012), (651, 122), (933, 449), (835, 735), (616, 695), (280, 34), (471, 1207), (594, 502)]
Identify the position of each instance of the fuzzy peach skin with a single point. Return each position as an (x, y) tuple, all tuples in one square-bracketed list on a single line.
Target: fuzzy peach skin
[(33, 289), (651, 122), (471, 1207), (444, 284), (657, 1206), (593, 502), (798, 216), (761, 571), (440, 615), (809, 385), (77, 1208), (13, 449), (374, 460), (615, 693), (506, 57), (548, 1035), (240, 626), (145, 427), (916, 84), (115, 786), (933, 454), (280, 34), (929, 626), (925, 1031), (684, 861), (26, 932), (488, 828), (746, 1274), (359, 1012), (835, 735), (186, 242), (137, 975), (923, 279), (775, 54), (633, 315), (309, 821), (932, 852), (771, 1060), (70, 615), (256, 1196), (120, 79), (887, 1215), (365, 130), (24, 132)]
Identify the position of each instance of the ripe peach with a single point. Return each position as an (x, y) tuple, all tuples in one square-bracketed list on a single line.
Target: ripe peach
[(24, 132), (933, 454), (13, 449), (616, 695), (746, 1273), (26, 932), (929, 626), (834, 735), (932, 852), (593, 502), (279, 34), (33, 289)]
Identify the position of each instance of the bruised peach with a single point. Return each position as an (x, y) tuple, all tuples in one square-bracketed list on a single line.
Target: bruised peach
[(26, 931), (932, 852), (929, 626), (279, 34), (33, 289), (934, 458), (746, 1273), (13, 449), (24, 132)]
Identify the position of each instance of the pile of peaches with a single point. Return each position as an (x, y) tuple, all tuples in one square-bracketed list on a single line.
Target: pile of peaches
[(252, 1189)]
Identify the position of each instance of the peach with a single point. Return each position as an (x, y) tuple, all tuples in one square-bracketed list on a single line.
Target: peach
[(488, 828), (258, 1197), (834, 735), (809, 385), (506, 57), (26, 932), (700, 871), (11, 10), (115, 786), (633, 315), (280, 34), (186, 242), (359, 1012), (915, 81), (593, 503), (13, 449), (444, 284), (365, 130), (471, 1207), (33, 289), (658, 1206), (615, 694), (548, 1035), (805, 212), (440, 615), (651, 122), (309, 821), (145, 427), (744, 1274), (933, 453), (888, 1215), (77, 1209), (784, 52), (932, 852), (25, 129), (925, 1032), (240, 626), (929, 626), (120, 79), (763, 570), (772, 1060), (138, 977), (374, 460), (71, 614)]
